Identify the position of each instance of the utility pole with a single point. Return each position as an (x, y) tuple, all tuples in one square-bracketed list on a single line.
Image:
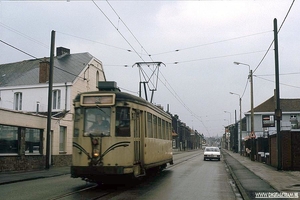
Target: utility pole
[(50, 99), (278, 112), (241, 140), (252, 119)]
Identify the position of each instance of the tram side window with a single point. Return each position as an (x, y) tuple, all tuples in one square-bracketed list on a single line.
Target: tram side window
[(169, 132), (123, 122), (149, 125), (163, 130), (154, 126), (159, 131)]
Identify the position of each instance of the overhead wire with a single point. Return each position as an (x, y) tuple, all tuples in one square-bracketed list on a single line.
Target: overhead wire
[(279, 83), (117, 29), (121, 33), (18, 49), (175, 95), (128, 50), (263, 58), (175, 50), (23, 35), (210, 43), (268, 49)]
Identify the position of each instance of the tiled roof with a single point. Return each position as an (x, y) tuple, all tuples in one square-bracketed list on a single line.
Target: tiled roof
[(286, 105), (66, 69)]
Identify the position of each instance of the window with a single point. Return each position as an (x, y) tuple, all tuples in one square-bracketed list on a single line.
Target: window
[(154, 126), (33, 141), (159, 132), (294, 121), (123, 122), (169, 132), (18, 101), (149, 125), (97, 78), (62, 138), (56, 99), (97, 121), (163, 129), (77, 122), (9, 143)]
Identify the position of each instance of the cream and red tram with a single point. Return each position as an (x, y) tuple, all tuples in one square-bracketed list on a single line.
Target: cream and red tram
[(117, 134)]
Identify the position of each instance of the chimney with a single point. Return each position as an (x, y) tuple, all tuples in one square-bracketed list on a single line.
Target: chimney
[(60, 51), (44, 71)]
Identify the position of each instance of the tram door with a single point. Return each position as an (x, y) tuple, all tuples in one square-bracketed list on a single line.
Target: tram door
[(138, 136)]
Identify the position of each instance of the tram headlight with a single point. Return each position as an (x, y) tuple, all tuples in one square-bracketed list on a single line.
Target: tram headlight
[(95, 153)]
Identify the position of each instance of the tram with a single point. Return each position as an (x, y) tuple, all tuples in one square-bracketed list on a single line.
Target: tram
[(118, 135)]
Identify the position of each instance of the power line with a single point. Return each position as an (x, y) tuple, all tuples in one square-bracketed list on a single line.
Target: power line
[(127, 28), (273, 39), (210, 43), (176, 96), (128, 50), (117, 29), (216, 57), (38, 58), (279, 83), (24, 35), (18, 49)]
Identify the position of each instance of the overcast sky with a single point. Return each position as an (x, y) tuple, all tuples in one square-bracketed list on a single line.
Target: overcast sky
[(198, 41)]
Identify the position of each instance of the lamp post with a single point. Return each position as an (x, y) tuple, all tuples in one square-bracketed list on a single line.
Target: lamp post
[(227, 134), (240, 104), (252, 135)]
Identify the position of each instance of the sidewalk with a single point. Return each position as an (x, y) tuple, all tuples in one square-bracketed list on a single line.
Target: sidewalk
[(12, 177), (253, 177)]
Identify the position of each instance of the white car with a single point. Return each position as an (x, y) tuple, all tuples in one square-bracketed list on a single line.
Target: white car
[(212, 153)]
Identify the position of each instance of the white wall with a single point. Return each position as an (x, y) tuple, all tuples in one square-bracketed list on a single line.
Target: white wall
[(33, 94)]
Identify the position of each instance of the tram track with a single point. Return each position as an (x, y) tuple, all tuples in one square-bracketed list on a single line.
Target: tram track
[(96, 192)]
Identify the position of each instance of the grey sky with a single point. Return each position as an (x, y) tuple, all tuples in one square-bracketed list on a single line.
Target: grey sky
[(204, 38)]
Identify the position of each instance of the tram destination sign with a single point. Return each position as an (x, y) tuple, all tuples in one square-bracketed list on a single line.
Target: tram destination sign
[(97, 99)]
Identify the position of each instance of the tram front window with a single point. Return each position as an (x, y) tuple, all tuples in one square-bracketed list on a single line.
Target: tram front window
[(97, 121)]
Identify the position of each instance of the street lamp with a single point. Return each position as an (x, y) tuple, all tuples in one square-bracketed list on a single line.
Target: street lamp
[(240, 104), (252, 111)]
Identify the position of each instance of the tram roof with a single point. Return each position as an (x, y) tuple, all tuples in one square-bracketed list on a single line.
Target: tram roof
[(123, 96)]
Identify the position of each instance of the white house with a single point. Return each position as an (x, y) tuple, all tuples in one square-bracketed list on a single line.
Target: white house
[(24, 104), (264, 116)]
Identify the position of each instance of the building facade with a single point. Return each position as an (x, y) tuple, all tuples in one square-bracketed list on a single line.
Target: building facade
[(24, 107)]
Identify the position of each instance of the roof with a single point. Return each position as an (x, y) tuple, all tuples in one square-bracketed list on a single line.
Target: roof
[(66, 69), (286, 105)]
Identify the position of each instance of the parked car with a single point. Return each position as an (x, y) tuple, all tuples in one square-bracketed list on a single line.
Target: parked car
[(212, 153)]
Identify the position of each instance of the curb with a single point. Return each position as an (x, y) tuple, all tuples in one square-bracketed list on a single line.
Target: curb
[(236, 180)]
